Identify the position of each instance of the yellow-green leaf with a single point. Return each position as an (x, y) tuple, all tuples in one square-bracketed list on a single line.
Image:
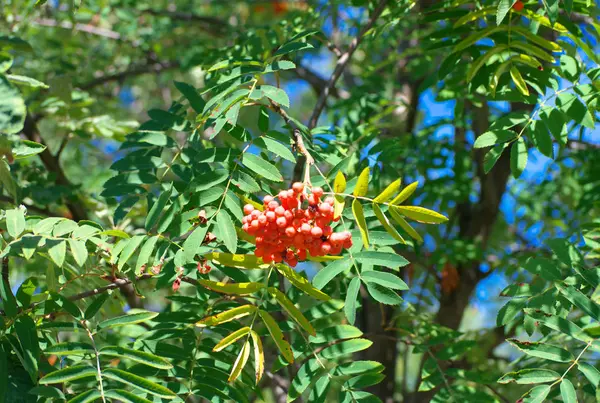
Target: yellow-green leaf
[(237, 261), (301, 283), (362, 184), (421, 214), (406, 193), (542, 20), (386, 223), (474, 16), (232, 338), (388, 192), (291, 309), (277, 335), (517, 78), (359, 216), (538, 40), (232, 288), (227, 316), (482, 60), (339, 184), (404, 225), (259, 356), (240, 362)]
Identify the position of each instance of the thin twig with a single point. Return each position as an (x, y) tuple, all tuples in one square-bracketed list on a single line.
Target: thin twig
[(156, 68), (342, 63), (98, 370), (87, 28)]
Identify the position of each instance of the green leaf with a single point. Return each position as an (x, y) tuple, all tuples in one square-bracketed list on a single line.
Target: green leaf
[(262, 167), (537, 394), (12, 108), (364, 381), (276, 95), (557, 323), (386, 224), (125, 396), (542, 138), (3, 373), (79, 251), (359, 217), (421, 214), (537, 39), (518, 157), (362, 183), (95, 306), (383, 294), (474, 38), (277, 335), (141, 357), (138, 382), (227, 231), (509, 311), (86, 397), (384, 279), (275, 147), (26, 81), (483, 59), (345, 348), (405, 225), (307, 374), (190, 93), (237, 261), (578, 299), (130, 249), (6, 61), (528, 376), (571, 106), (157, 209), (590, 372), (57, 251), (48, 392), (351, 299), (69, 348), (504, 7), (129, 319), (145, 253), (567, 391), (15, 222), (326, 274), (385, 259), (27, 148), (491, 138), (542, 350), (492, 156), (68, 374), (28, 338), (544, 268), (194, 241)]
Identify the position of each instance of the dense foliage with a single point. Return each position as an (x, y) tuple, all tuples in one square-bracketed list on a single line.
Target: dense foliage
[(344, 200)]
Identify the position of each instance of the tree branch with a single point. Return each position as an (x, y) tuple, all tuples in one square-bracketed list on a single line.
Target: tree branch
[(52, 164), (208, 24), (87, 28), (156, 68), (342, 63)]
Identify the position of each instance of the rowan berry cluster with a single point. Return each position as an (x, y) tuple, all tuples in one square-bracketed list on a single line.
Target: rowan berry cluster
[(296, 225)]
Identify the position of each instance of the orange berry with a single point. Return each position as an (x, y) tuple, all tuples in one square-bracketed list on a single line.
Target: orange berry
[(248, 208), (298, 187)]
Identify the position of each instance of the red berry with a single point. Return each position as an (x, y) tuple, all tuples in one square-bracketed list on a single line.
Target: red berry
[(271, 216), (518, 6), (248, 208), (318, 192), (298, 187), (281, 222), (267, 199), (290, 231)]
